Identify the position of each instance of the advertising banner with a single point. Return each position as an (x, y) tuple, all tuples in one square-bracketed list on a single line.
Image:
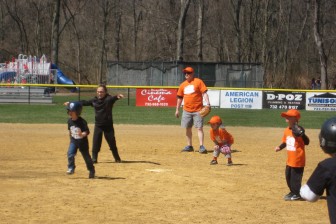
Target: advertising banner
[(318, 101), (239, 99), (213, 97), (156, 97), (284, 100)]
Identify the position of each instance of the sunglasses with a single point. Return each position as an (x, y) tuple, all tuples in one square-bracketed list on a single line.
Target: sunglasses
[(188, 73)]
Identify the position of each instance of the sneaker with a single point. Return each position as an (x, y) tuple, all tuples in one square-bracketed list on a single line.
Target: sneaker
[(229, 163), (295, 197), (92, 174), (118, 160), (288, 196), (188, 148), (202, 150), (70, 171), (213, 162)]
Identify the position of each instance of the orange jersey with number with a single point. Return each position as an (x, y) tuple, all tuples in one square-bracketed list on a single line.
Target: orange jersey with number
[(221, 135), (192, 94), (295, 149)]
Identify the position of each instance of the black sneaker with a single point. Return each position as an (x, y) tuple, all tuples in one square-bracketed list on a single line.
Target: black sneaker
[(188, 148), (213, 162), (288, 196), (295, 197), (92, 174)]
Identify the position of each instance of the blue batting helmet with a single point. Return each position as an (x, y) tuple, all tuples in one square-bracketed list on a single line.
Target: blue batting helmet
[(76, 107)]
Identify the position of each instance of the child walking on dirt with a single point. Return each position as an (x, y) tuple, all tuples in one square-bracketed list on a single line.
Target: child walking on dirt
[(294, 139), (222, 139), (78, 131)]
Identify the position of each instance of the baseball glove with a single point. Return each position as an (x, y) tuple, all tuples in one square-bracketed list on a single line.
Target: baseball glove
[(297, 130), (225, 149), (205, 111)]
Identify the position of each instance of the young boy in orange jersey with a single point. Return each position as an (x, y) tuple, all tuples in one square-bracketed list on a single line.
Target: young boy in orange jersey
[(296, 158), (222, 139)]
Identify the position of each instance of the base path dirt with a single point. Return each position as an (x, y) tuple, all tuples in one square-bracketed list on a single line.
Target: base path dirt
[(156, 183)]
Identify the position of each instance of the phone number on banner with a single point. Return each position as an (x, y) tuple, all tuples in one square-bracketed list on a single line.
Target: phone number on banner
[(156, 104)]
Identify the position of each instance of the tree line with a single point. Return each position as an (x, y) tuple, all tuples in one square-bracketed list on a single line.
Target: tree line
[(293, 39)]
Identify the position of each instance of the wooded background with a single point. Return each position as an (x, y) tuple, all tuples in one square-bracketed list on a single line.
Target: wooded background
[(293, 39)]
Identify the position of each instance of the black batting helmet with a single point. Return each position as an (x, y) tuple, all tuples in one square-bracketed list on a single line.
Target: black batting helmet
[(76, 107), (328, 136)]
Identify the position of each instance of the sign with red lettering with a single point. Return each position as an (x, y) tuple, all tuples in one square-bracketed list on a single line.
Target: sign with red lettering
[(156, 97)]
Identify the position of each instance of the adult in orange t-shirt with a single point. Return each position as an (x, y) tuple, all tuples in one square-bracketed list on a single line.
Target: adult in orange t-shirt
[(296, 158), (191, 92)]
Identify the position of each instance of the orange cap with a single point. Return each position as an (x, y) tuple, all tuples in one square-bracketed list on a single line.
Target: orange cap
[(215, 120), (291, 113), (188, 70)]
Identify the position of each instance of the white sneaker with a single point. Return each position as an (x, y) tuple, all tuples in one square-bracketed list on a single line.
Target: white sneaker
[(70, 171)]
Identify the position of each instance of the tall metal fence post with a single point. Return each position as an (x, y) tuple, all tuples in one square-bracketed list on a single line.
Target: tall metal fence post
[(28, 94), (128, 96)]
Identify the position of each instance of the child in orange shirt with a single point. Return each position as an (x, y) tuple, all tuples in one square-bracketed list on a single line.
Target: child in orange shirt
[(296, 159), (222, 139)]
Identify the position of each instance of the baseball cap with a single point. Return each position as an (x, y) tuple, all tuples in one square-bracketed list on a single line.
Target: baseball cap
[(188, 70), (291, 113), (215, 120)]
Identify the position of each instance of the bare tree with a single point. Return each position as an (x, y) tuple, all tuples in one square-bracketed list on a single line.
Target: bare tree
[(55, 31), (117, 28), (15, 15), (288, 23), (236, 6), (181, 27), (137, 18), (105, 5), (200, 30), (265, 35), (320, 45), (78, 39)]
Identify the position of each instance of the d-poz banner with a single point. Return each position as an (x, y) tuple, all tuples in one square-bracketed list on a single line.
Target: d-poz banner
[(284, 100)]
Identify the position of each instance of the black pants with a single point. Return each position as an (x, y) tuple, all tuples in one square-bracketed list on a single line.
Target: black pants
[(294, 178), (108, 131)]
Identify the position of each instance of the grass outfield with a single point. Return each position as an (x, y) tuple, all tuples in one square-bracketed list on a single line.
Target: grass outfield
[(125, 112)]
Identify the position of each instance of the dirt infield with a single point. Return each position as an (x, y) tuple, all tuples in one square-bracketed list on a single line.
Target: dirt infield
[(156, 183)]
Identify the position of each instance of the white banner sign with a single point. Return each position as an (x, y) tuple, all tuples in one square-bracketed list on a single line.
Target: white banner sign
[(320, 101), (238, 99), (213, 97)]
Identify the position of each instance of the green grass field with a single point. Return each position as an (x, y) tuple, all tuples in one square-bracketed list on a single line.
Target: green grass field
[(125, 112)]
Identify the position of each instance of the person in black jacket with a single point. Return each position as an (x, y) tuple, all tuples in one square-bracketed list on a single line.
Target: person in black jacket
[(102, 104)]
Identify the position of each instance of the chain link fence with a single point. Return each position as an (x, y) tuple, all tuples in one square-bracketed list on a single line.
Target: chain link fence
[(236, 75)]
